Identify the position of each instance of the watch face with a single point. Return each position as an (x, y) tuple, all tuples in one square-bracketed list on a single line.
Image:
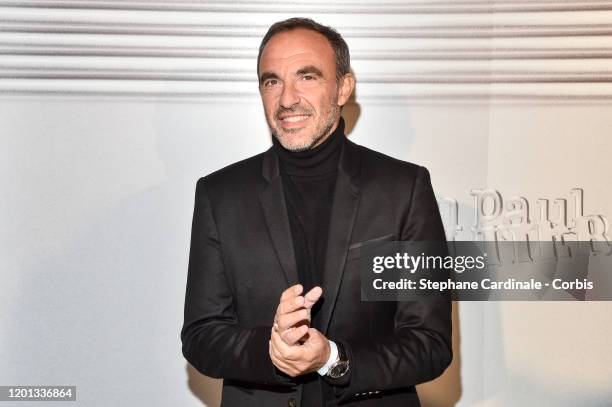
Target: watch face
[(339, 369)]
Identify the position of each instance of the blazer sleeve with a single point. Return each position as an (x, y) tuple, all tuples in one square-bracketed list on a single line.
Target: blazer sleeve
[(420, 349), (213, 341)]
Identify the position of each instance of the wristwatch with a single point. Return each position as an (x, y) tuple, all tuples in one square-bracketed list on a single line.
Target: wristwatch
[(341, 365)]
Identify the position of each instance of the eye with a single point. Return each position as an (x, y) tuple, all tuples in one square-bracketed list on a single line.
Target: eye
[(270, 82), (309, 77)]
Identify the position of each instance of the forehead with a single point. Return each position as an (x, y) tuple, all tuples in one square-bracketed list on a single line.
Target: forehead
[(297, 46)]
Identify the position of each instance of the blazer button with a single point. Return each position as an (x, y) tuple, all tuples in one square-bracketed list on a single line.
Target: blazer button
[(291, 403)]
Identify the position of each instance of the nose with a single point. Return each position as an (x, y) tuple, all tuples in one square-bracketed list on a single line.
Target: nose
[(289, 96)]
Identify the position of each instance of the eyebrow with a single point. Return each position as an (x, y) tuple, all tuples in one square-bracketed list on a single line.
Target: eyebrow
[(309, 69)]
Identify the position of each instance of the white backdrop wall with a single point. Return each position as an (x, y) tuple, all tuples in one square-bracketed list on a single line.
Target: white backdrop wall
[(111, 110)]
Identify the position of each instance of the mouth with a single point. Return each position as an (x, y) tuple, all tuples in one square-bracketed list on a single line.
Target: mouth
[(294, 120)]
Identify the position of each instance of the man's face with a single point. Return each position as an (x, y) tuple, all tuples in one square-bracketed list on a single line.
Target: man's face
[(297, 83)]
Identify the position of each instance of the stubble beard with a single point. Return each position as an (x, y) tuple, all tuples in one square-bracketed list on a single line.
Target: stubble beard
[(321, 131)]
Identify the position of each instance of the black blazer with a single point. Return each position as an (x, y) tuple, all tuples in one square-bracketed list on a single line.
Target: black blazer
[(242, 258)]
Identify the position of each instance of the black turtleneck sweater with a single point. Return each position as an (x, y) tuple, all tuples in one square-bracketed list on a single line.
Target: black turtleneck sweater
[(309, 179)]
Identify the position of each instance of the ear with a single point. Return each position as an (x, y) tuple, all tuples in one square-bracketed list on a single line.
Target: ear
[(345, 89)]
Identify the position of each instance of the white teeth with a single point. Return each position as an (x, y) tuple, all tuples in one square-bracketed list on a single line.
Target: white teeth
[(292, 119)]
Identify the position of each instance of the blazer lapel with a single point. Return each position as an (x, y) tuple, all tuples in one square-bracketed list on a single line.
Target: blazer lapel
[(275, 213), (343, 215)]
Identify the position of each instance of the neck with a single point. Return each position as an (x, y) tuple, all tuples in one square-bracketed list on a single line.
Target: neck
[(329, 133), (320, 159)]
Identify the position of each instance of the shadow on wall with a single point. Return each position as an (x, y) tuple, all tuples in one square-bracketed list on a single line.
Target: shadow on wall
[(445, 391), (207, 389), (351, 112)]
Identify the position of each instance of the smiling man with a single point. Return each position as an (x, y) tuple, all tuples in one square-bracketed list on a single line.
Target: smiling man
[(301, 87), (273, 301)]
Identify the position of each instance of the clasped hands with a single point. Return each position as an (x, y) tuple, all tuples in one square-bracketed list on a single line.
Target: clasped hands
[(296, 348)]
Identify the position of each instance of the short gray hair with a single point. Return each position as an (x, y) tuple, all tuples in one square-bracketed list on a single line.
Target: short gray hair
[(341, 51)]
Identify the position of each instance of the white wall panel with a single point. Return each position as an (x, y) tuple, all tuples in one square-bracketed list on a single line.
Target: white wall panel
[(211, 46), (110, 110)]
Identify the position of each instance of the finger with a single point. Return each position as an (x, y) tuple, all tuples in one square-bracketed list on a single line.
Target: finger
[(277, 361), (290, 337), (292, 368), (290, 305), (290, 299), (312, 296), (285, 351), (283, 365), (278, 344), (292, 291), (287, 321), (313, 333), (274, 354), (312, 337), (278, 355)]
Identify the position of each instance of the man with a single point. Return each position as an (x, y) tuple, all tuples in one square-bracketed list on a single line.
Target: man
[(273, 295)]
